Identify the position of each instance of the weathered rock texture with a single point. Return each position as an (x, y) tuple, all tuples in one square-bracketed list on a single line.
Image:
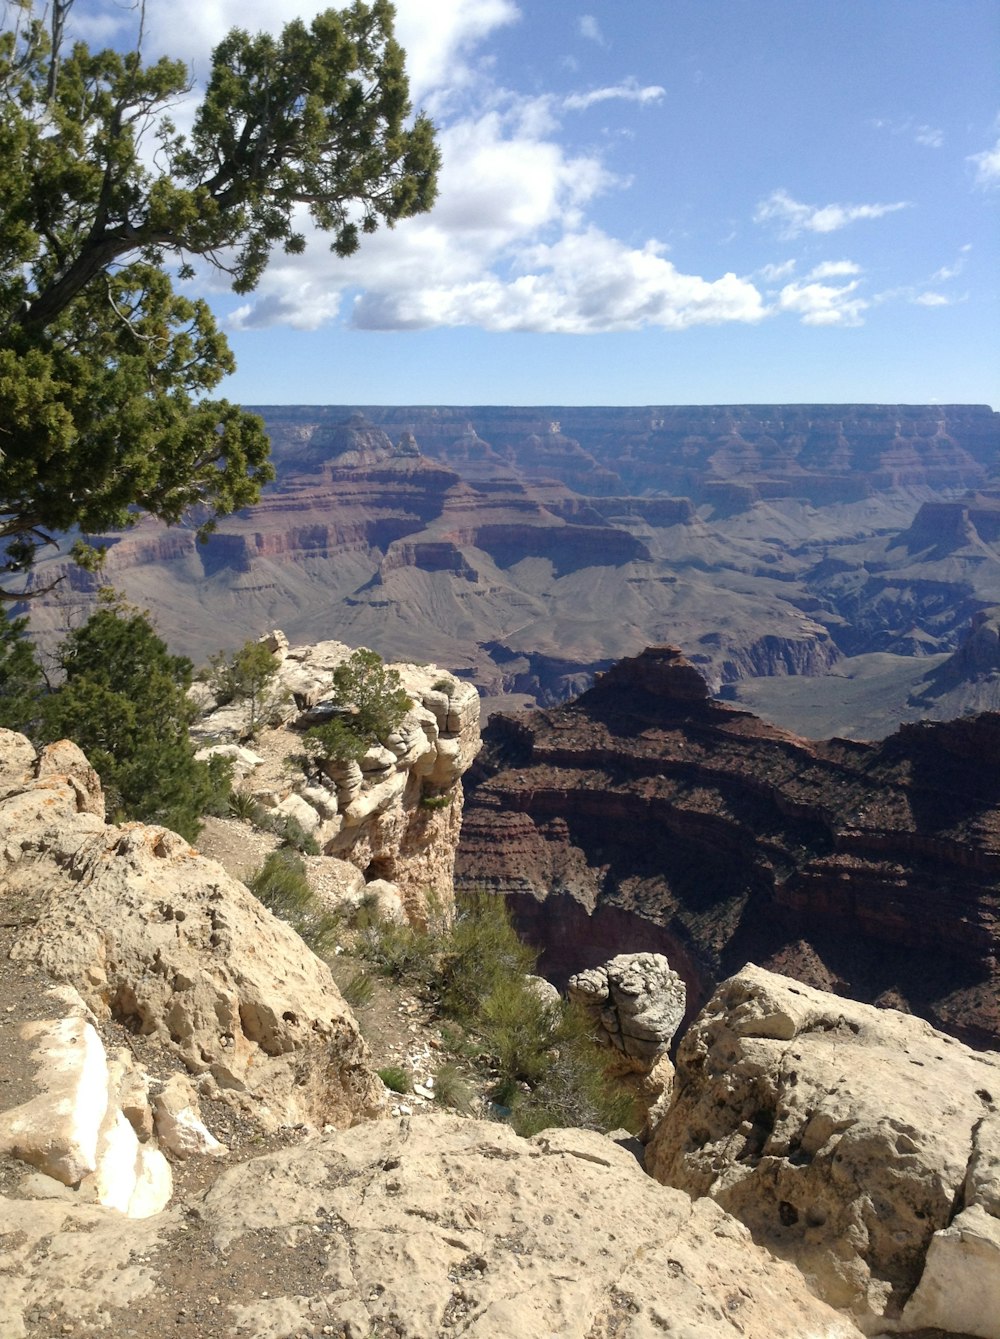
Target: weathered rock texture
[(395, 816), (416, 1229), (858, 1143), (645, 816), (153, 935), (532, 547), (637, 1002)]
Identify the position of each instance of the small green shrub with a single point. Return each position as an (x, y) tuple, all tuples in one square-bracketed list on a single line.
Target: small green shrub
[(243, 804), (359, 991), (334, 741), (445, 686), (452, 1089), (249, 676), (291, 832), (401, 952), (435, 801), (396, 1078), (281, 884)]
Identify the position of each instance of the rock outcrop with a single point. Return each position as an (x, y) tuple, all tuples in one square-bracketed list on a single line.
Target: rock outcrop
[(395, 815), (645, 816), (637, 1003), (858, 1143), (415, 1228), (158, 938)]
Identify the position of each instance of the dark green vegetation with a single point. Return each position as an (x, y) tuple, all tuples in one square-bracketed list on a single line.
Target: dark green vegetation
[(540, 1059), (123, 700), (373, 703), (104, 366)]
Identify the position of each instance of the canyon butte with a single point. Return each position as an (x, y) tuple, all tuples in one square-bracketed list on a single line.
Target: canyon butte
[(835, 567)]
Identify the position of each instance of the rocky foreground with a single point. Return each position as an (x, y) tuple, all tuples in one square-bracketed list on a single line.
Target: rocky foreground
[(193, 1141), (646, 815)]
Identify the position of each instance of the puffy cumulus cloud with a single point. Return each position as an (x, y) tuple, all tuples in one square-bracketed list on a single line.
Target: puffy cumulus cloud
[(986, 166), (627, 91), (793, 217), (823, 304), (583, 283)]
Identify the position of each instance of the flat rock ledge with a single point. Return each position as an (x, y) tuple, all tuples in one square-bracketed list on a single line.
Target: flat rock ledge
[(415, 1230)]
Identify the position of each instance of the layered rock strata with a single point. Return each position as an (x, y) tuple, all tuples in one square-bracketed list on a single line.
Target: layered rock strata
[(858, 1143), (679, 825)]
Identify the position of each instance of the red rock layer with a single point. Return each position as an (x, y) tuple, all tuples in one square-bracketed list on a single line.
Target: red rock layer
[(872, 869)]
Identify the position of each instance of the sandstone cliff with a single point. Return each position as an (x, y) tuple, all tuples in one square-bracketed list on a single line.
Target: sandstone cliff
[(645, 815), (395, 815), (858, 1144)]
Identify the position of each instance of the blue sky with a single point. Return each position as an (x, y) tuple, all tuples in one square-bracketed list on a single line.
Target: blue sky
[(658, 201)]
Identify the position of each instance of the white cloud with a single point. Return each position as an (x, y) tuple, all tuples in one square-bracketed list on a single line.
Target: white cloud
[(794, 217), (987, 165), (823, 304), (583, 283), (932, 300), (947, 272), (833, 269), (591, 29), (929, 136), (628, 91), (772, 274)]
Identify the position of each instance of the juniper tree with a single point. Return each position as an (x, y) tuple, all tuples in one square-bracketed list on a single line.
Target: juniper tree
[(106, 368)]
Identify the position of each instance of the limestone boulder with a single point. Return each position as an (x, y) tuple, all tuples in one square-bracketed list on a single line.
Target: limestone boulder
[(850, 1140), (637, 1002), (156, 936)]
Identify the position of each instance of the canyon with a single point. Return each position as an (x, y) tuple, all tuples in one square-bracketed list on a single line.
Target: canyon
[(826, 565), (646, 815)]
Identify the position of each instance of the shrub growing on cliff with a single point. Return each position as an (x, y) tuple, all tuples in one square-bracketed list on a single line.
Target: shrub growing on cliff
[(372, 703), (541, 1062), (248, 677), (124, 701)]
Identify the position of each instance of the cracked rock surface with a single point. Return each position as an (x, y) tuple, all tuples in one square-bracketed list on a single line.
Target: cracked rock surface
[(857, 1142)]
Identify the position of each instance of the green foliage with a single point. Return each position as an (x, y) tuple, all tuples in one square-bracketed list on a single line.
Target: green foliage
[(373, 703), (248, 676), (281, 884), (397, 1079), (435, 801), (103, 366), (290, 831), (541, 1061), (334, 741), (452, 1089), (359, 991), (375, 693), (21, 681), (243, 804), (124, 701)]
